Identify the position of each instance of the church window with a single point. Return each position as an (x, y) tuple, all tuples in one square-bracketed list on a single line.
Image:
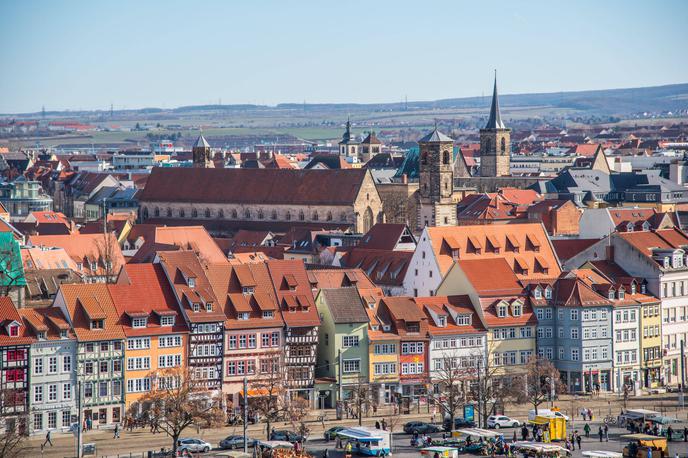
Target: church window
[(274, 214), (169, 212), (288, 216), (260, 214), (194, 213), (157, 211), (342, 217), (329, 216), (302, 216), (424, 158), (221, 213), (145, 212), (234, 214), (182, 213), (503, 145), (247, 214), (488, 145), (445, 158), (315, 216), (207, 213)]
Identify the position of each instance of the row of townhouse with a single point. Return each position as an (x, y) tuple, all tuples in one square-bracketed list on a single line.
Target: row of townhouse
[(113, 343)]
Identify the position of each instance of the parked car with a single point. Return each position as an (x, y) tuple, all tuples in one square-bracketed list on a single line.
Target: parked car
[(287, 436), (546, 413), (458, 423), (193, 445), (500, 421), (236, 442), (331, 433), (420, 428)]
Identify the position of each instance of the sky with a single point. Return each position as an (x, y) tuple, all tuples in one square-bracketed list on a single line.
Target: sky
[(167, 53)]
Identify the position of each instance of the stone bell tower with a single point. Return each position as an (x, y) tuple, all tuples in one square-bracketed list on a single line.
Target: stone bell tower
[(495, 143), (202, 155), (436, 170)]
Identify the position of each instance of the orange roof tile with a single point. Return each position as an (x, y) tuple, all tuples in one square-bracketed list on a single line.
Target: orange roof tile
[(74, 296)]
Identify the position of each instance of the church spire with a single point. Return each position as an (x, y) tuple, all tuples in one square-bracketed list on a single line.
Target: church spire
[(495, 121)]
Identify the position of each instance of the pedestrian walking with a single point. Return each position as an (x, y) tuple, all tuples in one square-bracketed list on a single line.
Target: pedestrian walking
[(685, 434), (384, 424), (670, 432), (377, 424), (601, 433), (573, 441), (116, 436), (586, 429), (47, 439), (606, 432), (578, 439), (590, 414)]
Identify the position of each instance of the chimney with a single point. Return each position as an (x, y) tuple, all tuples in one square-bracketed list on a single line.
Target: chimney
[(609, 252)]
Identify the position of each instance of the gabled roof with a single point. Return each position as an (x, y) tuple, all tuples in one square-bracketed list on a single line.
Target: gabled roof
[(574, 292), (80, 297), (345, 305), (253, 186), (401, 311), (84, 249), (338, 278), (383, 267), (568, 248), (169, 238), (646, 241), (384, 236), (450, 306), (299, 298), (9, 314), (48, 320), (491, 276)]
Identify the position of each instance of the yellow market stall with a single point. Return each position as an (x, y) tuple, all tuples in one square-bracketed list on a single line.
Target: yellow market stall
[(554, 428)]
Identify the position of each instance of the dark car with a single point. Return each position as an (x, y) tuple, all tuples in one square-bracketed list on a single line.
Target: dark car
[(458, 423), (287, 436), (236, 442), (420, 428), (331, 433)]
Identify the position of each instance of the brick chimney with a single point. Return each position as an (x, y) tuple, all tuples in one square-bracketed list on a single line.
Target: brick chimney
[(609, 252)]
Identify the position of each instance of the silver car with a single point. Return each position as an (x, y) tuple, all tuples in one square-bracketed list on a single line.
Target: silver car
[(193, 445)]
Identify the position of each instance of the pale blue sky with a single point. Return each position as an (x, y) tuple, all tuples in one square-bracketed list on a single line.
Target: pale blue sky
[(166, 53)]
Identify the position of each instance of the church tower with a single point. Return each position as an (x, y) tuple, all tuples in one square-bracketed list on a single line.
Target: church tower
[(495, 143), (436, 170), (348, 147), (202, 156)]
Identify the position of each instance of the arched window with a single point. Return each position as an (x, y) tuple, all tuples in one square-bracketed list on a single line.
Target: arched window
[(503, 145), (302, 216), (247, 214), (342, 217), (445, 158), (207, 213), (260, 214), (234, 214), (367, 220), (157, 212), (221, 213), (194, 213), (169, 212), (329, 216), (288, 216), (488, 144), (315, 216), (145, 212), (274, 214), (381, 217), (182, 213)]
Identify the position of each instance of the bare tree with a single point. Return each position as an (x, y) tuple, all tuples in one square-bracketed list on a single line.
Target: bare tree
[(453, 381), (107, 248), (361, 397), (272, 404), (540, 382), (12, 432), (393, 421), (180, 401)]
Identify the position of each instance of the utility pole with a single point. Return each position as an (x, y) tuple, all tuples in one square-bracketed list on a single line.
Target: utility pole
[(245, 413), (339, 375), (480, 397), (79, 420)]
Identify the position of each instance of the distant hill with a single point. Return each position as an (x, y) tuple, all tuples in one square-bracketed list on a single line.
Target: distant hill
[(618, 102)]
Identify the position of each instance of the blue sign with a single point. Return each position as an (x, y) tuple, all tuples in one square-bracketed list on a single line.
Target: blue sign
[(469, 412)]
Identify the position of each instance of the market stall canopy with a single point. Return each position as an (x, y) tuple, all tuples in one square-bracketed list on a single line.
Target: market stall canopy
[(602, 454), (361, 434), (478, 432)]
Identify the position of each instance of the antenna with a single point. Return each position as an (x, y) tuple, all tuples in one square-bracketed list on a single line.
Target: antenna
[(111, 110), (43, 111)]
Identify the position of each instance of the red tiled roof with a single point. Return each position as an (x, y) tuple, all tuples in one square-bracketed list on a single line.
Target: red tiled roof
[(491, 276), (264, 186), (8, 314), (568, 248), (84, 249), (450, 306), (75, 295), (308, 314)]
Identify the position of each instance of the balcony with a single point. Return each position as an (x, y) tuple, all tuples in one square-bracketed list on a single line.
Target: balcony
[(299, 360)]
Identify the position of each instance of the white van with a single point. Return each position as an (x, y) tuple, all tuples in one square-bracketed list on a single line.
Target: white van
[(546, 413)]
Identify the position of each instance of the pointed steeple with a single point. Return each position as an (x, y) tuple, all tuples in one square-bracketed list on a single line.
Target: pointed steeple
[(201, 142), (495, 121)]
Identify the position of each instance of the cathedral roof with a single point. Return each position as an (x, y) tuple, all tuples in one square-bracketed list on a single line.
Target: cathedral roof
[(435, 136), (495, 121), (201, 142)]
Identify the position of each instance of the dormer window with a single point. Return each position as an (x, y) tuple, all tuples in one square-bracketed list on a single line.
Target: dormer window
[(633, 288), (13, 330), (412, 327), (537, 293), (622, 294), (442, 321), (191, 282), (611, 294), (138, 322), (247, 289), (518, 309), (666, 262), (646, 226), (501, 311), (463, 320), (97, 324), (243, 316), (79, 266), (268, 314), (629, 227), (94, 266), (41, 335), (208, 306), (374, 327), (677, 261), (548, 293), (63, 333), (455, 254), (196, 306), (167, 321)]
